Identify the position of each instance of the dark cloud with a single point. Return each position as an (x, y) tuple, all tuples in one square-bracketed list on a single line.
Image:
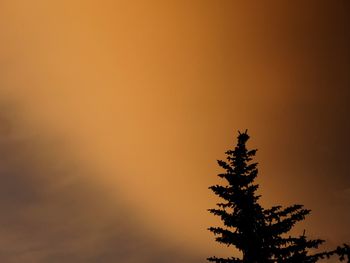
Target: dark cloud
[(50, 211)]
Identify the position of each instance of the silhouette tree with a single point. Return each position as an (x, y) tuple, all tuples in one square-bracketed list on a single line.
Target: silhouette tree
[(260, 234), (343, 252), (241, 213)]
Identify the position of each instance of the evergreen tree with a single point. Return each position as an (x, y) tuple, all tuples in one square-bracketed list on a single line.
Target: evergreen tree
[(241, 213), (343, 253), (260, 234)]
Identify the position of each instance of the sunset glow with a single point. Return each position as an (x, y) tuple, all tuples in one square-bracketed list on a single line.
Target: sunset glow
[(113, 114)]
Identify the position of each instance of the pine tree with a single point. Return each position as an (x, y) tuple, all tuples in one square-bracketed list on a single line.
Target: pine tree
[(241, 213), (285, 248), (343, 253), (260, 234)]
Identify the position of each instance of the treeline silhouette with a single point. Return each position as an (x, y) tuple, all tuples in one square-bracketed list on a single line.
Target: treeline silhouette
[(262, 235)]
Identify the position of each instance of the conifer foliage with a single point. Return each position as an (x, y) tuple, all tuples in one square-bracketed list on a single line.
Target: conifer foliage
[(240, 212), (260, 234)]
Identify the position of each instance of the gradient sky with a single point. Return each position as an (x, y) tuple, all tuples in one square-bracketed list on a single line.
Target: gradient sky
[(113, 114)]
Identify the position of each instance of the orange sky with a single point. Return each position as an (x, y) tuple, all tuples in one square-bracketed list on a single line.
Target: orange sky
[(137, 99)]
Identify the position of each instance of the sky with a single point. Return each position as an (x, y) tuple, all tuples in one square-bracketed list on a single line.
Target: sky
[(113, 114)]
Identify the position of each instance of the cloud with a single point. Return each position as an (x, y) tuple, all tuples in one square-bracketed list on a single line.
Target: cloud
[(51, 212)]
